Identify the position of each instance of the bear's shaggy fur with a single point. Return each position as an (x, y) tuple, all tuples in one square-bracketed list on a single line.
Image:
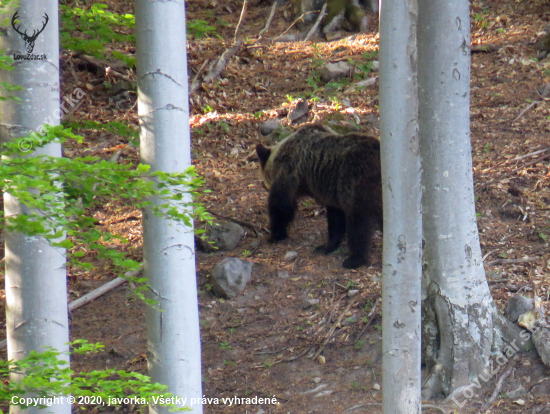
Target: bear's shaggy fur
[(341, 172)]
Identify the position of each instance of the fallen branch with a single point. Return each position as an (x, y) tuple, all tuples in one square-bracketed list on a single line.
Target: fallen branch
[(332, 329), (222, 62), (497, 281), (498, 387), (512, 172), (195, 84), (484, 48), (509, 261), (94, 294), (322, 14), (521, 157), (269, 19), (241, 20), (289, 359), (104, 67), (525, 110), (251, 226)]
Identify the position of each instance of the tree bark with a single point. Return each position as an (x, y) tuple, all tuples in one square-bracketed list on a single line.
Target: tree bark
[(459, 316), (174, 356), (400, 151), (36, 283)]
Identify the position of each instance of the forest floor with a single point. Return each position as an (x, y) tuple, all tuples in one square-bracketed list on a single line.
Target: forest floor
[(261, 343)]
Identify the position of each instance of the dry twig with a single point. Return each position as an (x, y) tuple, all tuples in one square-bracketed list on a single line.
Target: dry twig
[(372, 315), (509, 261), (293, 23), (222, 62), (525, 110), (334, 326), (269, 19), (241, 20), (497, 389), (195, 84), (251, 226), (511, 172), (317, 23)]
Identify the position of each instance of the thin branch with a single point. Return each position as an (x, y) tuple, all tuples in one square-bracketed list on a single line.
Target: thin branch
[(317, 22), (94, 294), (333, 328), (372, 315), (498, 387), (269, 19), (195, 84), (512, 172), (241, 20), (251, 226), (293, 23), (510, 261), (525, 110)]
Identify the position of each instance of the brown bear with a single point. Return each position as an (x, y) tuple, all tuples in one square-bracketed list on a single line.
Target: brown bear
[(341, 172)]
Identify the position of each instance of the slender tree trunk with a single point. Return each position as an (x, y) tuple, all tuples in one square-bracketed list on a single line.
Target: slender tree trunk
[(168, 248), (458, 310), (36, 290), (402, 267)]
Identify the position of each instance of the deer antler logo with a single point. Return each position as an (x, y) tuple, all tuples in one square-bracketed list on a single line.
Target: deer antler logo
[(29, 40)]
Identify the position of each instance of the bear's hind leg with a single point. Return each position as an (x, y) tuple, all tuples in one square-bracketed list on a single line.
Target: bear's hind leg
[(360, 231), (336, 230)]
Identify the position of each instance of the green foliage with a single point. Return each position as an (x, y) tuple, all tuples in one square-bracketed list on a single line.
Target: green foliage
[(6, 64), (48, 374), (88, 30), (199, 28), (117, 128), (225, 346), (61, 193)]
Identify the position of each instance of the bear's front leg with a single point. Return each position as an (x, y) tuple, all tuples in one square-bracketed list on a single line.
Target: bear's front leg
[(281, 212)]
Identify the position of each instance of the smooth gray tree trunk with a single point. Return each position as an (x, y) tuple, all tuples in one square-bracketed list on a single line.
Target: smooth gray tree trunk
[(168, 248), (402, 266), (36, 287), (459, 316)]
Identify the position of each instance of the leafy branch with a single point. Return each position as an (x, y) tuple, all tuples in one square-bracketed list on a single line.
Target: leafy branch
[(48, 374), (60, 194)]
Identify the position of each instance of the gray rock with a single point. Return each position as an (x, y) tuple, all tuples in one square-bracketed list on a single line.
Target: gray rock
[(308, 303), (287, 38), (332, 71), (230, 276), (269, 126), (290, 256), (516, 393), (283, 274), (299, 109), (225, 236), (517, 305)]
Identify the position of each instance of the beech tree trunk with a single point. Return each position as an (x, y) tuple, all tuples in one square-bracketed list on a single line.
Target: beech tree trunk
[(174, 357), (36, 283), (460, 325), (400, 151)]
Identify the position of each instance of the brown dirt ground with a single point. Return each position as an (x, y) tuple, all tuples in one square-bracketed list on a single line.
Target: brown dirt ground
[(260, 343)]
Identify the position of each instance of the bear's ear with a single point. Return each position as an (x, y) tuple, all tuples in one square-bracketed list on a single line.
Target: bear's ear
[(263, 154)]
